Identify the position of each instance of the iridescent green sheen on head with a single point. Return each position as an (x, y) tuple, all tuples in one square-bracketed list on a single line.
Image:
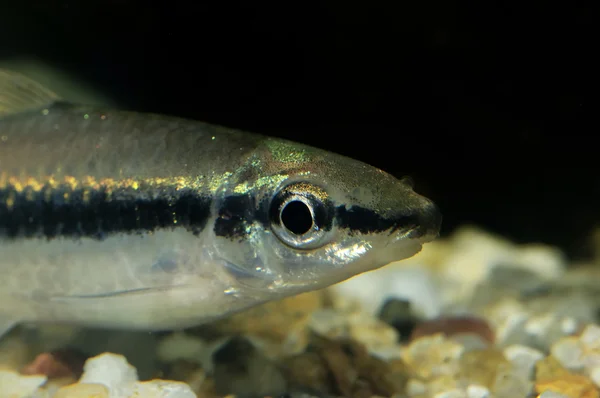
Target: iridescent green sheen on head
[(287, 152)]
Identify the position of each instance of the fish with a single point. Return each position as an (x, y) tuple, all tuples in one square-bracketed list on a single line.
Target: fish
[(115, 219)]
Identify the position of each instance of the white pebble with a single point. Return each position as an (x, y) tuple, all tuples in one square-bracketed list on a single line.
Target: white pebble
[(540, 325), (378, 337), (590, 337), (15, 385), (568, 325), (474, 255), (413, 283), (509, 317), (552, 394), (591, 360), (415, 387), (595, 376), (81, 390), (112, 370), (546, 261), (523, 358), (162, 389), (569, 352), (329, 323), (477, 391), (433, 356), (510, 384), (456, 393)]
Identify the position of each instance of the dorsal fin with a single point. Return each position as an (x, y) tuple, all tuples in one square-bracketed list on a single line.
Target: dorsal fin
[(18, 93)]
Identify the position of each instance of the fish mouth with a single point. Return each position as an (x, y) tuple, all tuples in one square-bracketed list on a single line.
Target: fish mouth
[(424, 226), (259, 284), (249, 278), (428, 225)]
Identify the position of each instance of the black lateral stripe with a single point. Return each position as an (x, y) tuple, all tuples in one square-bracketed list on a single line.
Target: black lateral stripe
[(64, 212), (366, 221), (235, 214)]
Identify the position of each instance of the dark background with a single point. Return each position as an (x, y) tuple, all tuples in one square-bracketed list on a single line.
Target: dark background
[(488, 105)]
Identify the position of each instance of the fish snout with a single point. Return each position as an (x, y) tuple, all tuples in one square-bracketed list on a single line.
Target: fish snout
[(428, 221)]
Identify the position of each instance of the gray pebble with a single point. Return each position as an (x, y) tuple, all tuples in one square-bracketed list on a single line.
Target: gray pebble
[(241, 370)]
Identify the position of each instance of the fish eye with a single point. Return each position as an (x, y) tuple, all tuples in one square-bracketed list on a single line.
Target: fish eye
[(296, 217), (300, 215)]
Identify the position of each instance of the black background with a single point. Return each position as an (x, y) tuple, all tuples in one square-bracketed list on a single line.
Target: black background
[(487, 105)]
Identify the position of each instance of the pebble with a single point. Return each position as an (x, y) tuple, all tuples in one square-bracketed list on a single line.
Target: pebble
[(415, 387), (190, 373), (109, 369), (571, 385), (581, 352), (482, 366), (451, 326), (410, 281), (477, 391), (308, 370), (548, 368), (279, 327), (538, 326), (474, 254), (471, 341), (552, 376), (398, 314), (523, 359), (344, 367), (83, 390), (456, 393), (548, 262), (239, 367), (138, 347), (569, 352), (15, 385), (511, 384), (552, 394), (112, 376), (590, 337), (514, 280), (508, 318), (594, 374), (489, 251), (329, 323), (379, 338), (162, 389), (472, 316), (569, 326), (189, 348), (355, 370), (443, 384), (57, 364), (150, 389), (434, 355)]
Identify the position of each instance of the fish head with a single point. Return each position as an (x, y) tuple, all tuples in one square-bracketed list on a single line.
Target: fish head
[(298, 218)]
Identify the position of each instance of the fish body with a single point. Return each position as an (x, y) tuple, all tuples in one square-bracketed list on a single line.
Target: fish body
[(118, 219)]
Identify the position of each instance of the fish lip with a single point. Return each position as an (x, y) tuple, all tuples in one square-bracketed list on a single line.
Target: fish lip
[(428, 225), (417, 234), (253, 281)]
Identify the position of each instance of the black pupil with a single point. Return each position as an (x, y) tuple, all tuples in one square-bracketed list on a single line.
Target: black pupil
[(296, 217)]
